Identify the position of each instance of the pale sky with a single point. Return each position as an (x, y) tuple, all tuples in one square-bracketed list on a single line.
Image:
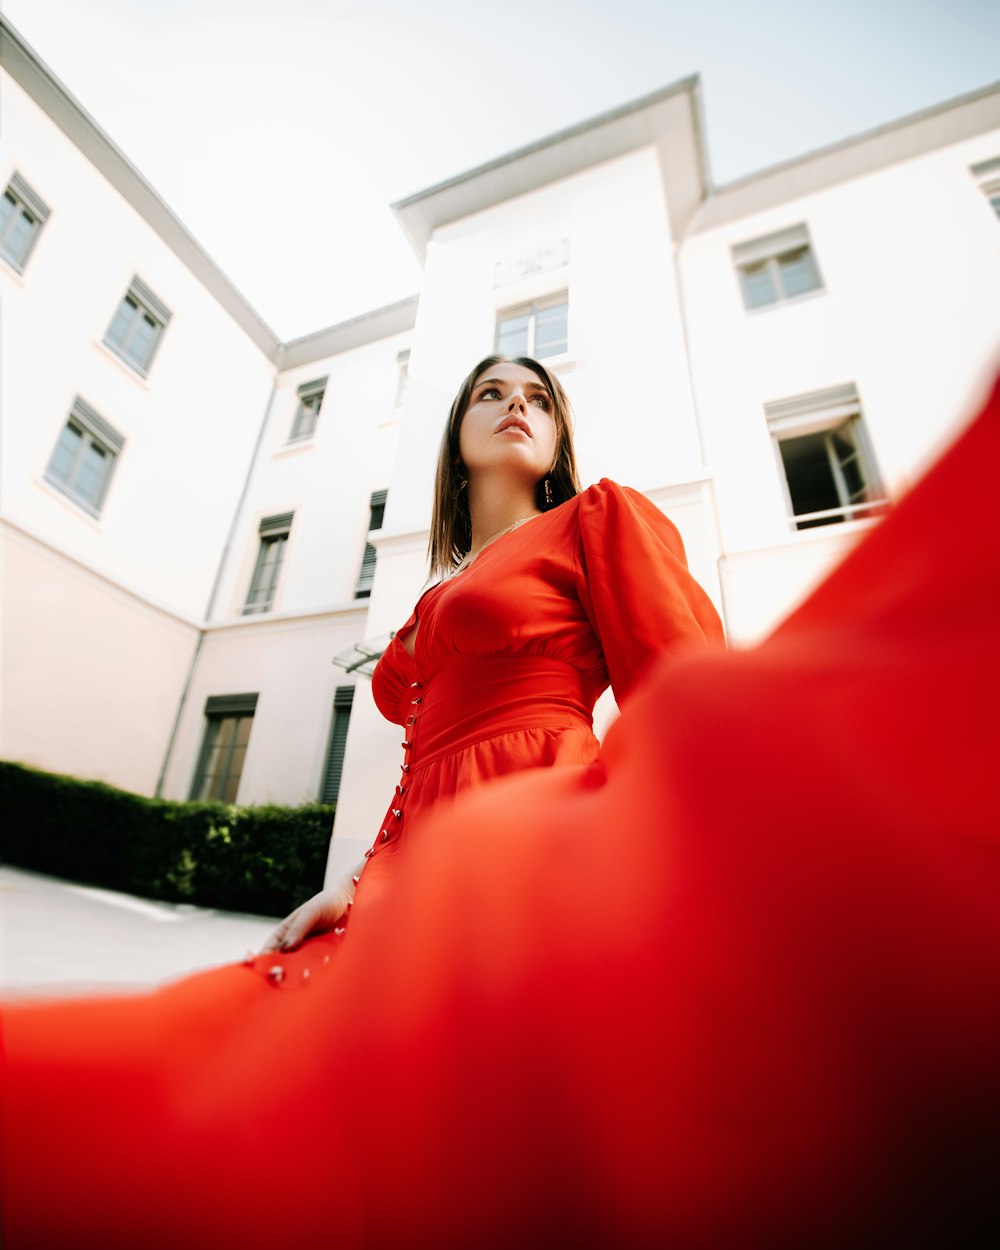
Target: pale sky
[(280, 131)]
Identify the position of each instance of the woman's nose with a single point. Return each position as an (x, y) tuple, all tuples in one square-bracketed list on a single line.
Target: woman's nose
[(517, 403)]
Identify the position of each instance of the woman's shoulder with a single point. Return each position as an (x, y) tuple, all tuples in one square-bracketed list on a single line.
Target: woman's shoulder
[(610, 496), (620, 516)]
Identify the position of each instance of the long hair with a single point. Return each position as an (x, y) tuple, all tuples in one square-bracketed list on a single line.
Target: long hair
[(451, 525)]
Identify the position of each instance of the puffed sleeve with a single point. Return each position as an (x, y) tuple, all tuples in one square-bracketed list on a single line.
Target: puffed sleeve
[(634, 584)]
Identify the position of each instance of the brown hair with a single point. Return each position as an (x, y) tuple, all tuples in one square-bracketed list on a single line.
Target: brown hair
[(451, 526)]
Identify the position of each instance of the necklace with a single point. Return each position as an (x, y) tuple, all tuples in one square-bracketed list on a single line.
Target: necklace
[(469, 558)]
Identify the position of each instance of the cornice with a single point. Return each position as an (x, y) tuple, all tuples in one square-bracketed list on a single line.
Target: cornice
[(670, 118), (914, 135)]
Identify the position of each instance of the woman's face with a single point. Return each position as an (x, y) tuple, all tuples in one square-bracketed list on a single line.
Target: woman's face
[(509, 424)]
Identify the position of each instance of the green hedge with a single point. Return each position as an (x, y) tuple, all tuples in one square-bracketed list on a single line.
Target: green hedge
[(264, 860)]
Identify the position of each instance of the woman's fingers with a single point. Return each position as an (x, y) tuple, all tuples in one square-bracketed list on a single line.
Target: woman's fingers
[(277, 939), (320, 913)]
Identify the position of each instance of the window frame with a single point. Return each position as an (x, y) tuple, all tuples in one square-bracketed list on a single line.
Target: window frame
[(93, 430), (272, 530), (219, 709), (767, 252), (376, 517), (827, 413), (303, 429), (26, 201), (146, 305), (531, 309)]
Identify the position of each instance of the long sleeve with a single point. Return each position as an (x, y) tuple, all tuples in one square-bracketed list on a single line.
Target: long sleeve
[(635, 586)]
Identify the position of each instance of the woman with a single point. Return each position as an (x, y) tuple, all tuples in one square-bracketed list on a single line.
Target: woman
[(547, 594)]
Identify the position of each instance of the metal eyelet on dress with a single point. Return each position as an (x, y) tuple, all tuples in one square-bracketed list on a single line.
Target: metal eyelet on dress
[(407, 744), (401, 789), (411, 720), (406, 768), (276, 974), (416, 685), (397, 813), (418, 699)]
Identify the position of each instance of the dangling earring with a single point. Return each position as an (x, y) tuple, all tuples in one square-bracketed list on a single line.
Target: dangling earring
[(547, 487), (461, 481)]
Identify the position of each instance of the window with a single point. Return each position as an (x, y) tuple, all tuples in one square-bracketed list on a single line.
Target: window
[(366, 577), (274, 531), (23, 215), (777, 267), (84, 457), (402, 376), (229, 719), (334, 767), (137, 327), (988, 174), (828, 464), (307, 414), (537, 329)]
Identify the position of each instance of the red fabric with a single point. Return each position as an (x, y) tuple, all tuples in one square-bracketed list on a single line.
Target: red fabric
[(732, 984), (511, 655)]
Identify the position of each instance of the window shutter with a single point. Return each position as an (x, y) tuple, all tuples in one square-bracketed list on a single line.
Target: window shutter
[(771, 245), (230, 704), (279, 524), (378, 509), (814, 410), (28, 197), (155, 305), (97, 426), (343, 700), (366, 578)]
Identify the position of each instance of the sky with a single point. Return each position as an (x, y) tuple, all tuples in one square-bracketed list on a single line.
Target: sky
[(281, 131)]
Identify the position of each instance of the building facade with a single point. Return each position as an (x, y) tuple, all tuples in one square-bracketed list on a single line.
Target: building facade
[(198, 518)]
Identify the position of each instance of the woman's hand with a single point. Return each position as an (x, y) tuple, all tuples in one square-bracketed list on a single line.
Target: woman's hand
[(319, 915)]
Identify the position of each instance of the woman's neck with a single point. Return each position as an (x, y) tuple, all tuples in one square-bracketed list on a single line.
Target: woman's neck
[(495, 506)]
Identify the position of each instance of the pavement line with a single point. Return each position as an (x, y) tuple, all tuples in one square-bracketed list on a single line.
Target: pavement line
[(152, 911)]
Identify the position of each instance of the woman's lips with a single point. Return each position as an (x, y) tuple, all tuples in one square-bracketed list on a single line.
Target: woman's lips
[(514, 425)]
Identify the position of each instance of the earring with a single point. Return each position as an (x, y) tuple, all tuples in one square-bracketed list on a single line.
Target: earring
[(461, 481), (547, 487)]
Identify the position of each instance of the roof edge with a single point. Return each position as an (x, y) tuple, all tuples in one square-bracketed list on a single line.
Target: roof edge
[(343, 336), (748, 193), (690, 83)]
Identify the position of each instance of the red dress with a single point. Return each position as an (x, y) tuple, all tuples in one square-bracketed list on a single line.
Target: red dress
[(732, 984), (510, 656)]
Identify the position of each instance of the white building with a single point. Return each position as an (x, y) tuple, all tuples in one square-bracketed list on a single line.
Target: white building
[(197, 517)]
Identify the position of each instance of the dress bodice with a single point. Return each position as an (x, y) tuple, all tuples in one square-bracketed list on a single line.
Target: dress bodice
[(599, 584)]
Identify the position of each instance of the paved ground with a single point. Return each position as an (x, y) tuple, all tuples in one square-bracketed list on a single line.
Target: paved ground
[(58, 937)]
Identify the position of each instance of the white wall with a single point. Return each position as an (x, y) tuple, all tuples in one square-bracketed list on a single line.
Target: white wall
[(287, 662), (910, 313), (90, 672), (189, 428), (327, 481)]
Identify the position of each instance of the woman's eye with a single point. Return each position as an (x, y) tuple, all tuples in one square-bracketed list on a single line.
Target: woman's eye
[(491, 392), (543, 401)]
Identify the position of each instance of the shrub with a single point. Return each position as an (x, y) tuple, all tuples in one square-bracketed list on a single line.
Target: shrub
[(264, 860)]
